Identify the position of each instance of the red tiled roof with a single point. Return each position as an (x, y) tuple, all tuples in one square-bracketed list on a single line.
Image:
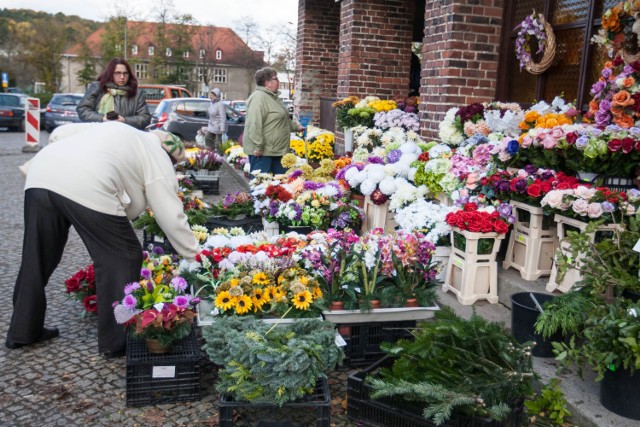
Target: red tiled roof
[(210, 38)]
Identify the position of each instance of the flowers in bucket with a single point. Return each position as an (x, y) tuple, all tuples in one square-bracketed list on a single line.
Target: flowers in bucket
[(587, 204), (481, 219), (197, 212), (207, 159), (234, 204), (82, 287), (287, 292), (317, 145), (346, 215), (397, 118), (428, 218), (234, 154)]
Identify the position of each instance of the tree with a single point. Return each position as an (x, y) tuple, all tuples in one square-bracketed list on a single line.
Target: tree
[(44, 45)]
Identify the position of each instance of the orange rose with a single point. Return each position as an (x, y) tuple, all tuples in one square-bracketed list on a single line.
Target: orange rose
[(593, 105), (617, 111), (611, 21), (622, 98), (629, 81), (624, 121), (608, 64), (531, 116)]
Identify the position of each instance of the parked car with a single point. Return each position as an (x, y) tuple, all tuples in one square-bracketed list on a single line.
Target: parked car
[(13, 90), (156, 93), (12, 111), (289, 105), (239, 105), (61, 110), (184, 116)]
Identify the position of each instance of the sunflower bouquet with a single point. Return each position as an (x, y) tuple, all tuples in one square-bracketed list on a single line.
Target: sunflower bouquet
[(290, 292)]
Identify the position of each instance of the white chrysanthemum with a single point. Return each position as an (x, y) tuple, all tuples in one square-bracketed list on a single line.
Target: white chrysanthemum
[(375, 172), (439, 150), (388, 186), (402, 169), (236, 241), (408, 158), (352, 176), (217, 241), (226, 264), (367, 187), (390, 169), (328, 190), (379, 152), (123, 314), (360, 154), (413, 136), (410, 148)]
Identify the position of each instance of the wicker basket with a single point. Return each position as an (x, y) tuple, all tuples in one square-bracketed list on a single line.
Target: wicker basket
[(549, 52)]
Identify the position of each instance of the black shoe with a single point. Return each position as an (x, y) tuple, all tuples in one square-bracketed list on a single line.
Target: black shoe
[(47, 334), (114, 354)]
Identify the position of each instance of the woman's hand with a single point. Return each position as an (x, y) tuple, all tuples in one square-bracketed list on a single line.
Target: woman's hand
[(257, 153)]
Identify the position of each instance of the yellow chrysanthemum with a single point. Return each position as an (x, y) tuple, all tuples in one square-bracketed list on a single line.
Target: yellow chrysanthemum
[(302, 301), (243, 304), (225, 301), (260, 279)]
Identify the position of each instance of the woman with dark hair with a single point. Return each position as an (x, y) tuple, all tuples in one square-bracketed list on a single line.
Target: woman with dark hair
[(268, 128), (115, 96)]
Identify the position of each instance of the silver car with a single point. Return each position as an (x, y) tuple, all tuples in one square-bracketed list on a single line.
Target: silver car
[(62, 110)]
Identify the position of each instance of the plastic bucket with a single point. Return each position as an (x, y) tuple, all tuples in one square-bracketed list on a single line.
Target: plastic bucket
[(524, 315), (619, 393)]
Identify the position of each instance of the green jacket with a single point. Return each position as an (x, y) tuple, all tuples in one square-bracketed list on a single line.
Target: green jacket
[(268, 126)]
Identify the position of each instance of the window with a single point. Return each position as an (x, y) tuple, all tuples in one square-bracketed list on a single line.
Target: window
[(185, 54), (202, 53), (578, 62), (118, 48), (218, 54), (193, 108), (142, 71), (134, 49), (151, 50), (167, 52), (219, 75), (199, 74)]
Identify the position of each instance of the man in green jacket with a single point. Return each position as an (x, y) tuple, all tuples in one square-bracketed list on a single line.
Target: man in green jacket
[(268, 127)]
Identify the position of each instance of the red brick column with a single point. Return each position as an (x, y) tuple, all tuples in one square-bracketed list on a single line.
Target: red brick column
[(316, 54), (459, 56), (375, 47)]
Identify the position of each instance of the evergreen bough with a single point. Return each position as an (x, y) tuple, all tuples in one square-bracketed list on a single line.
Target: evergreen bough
[(456, 366), (264, 364)]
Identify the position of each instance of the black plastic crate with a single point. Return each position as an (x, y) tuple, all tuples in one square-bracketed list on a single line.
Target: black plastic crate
[(269, 414), (209, 184), (364, 339), (250, 224), (162, 242), (163, 378), (398, 412)]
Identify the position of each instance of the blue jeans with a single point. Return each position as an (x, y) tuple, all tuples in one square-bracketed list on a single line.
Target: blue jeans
[(266, 164)]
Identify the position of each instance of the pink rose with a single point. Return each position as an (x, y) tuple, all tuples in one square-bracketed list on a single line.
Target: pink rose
[(580, 206), (549, 142), (527, 141), (594, 210)]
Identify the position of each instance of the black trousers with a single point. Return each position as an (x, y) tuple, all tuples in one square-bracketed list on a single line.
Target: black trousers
[(112, 244)]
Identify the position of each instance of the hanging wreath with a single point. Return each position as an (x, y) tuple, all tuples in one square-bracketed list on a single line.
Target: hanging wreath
[(535, 25)]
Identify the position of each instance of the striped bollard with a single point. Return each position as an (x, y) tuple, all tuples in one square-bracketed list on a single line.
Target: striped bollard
[(32, 126)]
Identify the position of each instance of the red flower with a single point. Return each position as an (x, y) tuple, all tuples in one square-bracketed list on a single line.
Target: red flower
[(571, 137), (90, 304), (627, 144), (73, 284), (614, 145), (500, 227), (424, 157), (535, 190), (469, 207)]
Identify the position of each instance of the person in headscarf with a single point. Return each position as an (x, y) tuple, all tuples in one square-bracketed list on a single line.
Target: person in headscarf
[(96, 178), (115, 96)]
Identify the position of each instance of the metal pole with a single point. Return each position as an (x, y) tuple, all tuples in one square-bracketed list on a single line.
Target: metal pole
[(125, 38)]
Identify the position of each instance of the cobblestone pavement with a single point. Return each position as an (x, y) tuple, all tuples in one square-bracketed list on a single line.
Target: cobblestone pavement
[(65, 382)]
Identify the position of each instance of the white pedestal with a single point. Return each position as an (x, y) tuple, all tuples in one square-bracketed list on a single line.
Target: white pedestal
[(470, 275), (532, 243), (270, 228), (378, 216), (442, 255)]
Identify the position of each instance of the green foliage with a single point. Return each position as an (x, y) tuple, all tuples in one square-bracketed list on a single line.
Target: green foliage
[(458, 366), (565, 313), (196, 215), (264, 364), (549, 408)]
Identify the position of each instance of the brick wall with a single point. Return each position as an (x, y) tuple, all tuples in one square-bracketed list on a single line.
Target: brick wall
[(375, 47), (459, 56), (317, 54)]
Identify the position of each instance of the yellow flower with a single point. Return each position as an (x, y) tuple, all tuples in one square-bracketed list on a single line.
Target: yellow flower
[(225, 301), (260, 279), (317, 292), (258, 299), (279, 295), (243, 304), (302, 301), (270, 293)]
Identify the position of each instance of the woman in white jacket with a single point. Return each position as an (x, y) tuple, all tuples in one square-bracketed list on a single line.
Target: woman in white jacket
[(96, 177)]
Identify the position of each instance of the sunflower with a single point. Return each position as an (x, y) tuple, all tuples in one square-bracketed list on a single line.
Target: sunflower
[(316, 292), (269, 293), (302, 301), (279, 295), (225, 301), (243, 304), (260, 279), (258, 299)]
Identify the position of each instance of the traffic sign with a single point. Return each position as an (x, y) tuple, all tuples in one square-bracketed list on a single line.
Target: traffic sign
[(5, 79)]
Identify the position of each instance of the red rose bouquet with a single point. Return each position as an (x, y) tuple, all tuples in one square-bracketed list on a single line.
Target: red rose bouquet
[(478, 220), (82, 287)]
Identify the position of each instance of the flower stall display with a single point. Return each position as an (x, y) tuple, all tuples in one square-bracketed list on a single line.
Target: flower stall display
[(535, 26), (157, 308), (236, 156), (207, 162), (472, 272), (397, 119), (82, 287), (292, 358), (408, 104)]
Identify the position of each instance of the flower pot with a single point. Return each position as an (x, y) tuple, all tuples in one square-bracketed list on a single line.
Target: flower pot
[(154, 346), (336, 305), (302, 229), (442, 255), (358, 198), (270, 228), (619, 392), (348, 140), (524, 314), (411, 302)]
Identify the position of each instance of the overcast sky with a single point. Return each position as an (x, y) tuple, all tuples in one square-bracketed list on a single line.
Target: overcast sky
[(222, 13)]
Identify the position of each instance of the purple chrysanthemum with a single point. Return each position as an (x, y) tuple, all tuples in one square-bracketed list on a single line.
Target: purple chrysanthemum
[(129, 288), (145, 273), (376, 159), (295, 174), (311, 185), (178, 283), (181, 301), (158, 250), (394, 156), (130, 302)]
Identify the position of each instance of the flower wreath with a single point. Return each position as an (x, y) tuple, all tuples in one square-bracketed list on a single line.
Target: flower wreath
[(536, 26)]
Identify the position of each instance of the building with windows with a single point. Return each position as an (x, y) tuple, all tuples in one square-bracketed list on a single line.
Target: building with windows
[(198, 57)]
